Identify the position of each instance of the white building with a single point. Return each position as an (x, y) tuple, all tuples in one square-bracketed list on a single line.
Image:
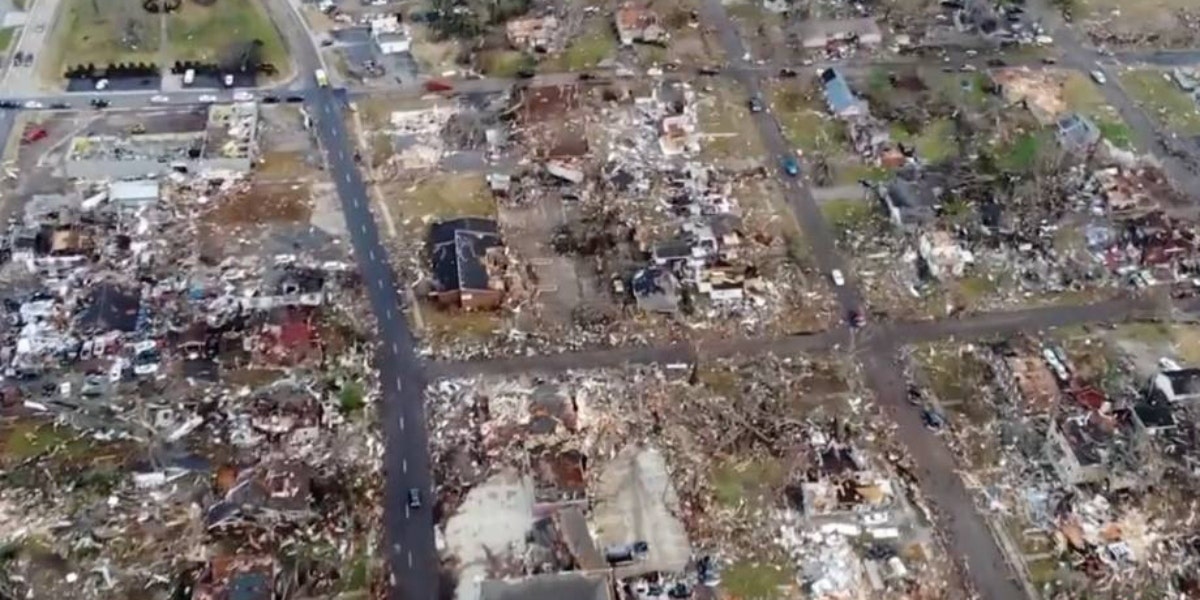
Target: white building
[(390, 35)]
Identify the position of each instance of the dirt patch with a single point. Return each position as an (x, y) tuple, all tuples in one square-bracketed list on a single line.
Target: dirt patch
[(262, 203)]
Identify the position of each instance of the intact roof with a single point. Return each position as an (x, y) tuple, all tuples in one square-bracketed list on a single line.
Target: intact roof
[(547, 587), (457, 248), (837, 91), (1184, 382)]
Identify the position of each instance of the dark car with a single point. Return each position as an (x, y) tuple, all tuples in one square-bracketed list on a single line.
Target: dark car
[(9, 104), (294, 99), (414, 498), (59, 105), (99, 102), (270, 99), (857, 319), (787, 72), (526, 74), (586, 77), (996, 62), (932, 419), (709, 70), (755, 104)]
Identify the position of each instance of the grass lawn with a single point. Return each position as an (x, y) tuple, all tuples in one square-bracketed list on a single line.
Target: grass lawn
[(805, 123), (1083, 96), (849, 214), (1023, 153), (442, 197), (6, 36), (747, 580), (934, 143), (85, 32), (752, 482), (725, 122), (505, 63), (211, 33), (1170, 106), (961, 89), (847, 172), (586, 51)]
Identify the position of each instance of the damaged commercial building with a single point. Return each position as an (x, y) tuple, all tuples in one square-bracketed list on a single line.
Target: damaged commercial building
[(226, 142)]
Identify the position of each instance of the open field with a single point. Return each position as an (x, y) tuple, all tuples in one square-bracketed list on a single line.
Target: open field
[(123, 32), (1162, 100)]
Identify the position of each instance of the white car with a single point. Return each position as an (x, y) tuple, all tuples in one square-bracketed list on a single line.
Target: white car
[(838, 279), (160, 99), (1099, 77), (242, 96), (34, 104), (207, 99)]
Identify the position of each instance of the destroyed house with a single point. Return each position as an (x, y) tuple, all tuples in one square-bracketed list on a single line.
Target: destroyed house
[(817, 33), (556, 586), (558, 476), (1077, 133), (838, 96), (1154, 414), (1181, 385), (1095, 448), (656, 289), (460, 255), (237, 578), (909, 203), (638, 24), (1026, 379)]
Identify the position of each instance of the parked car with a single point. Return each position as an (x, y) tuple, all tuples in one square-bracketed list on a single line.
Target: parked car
[(1099, 77), (787, 72), (242, 96), (295, 99), (414, 498), (709, 70), (791, 166), (34, 104), (99, 102), (9, 104), (207, 99), (59, 105), (755, 104), (160, 99), (270, 99), (932, 419), (837, 277)]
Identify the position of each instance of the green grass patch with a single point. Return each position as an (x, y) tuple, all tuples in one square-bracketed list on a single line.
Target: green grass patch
[(1024, 152), (352, 397), (728, 130), (505, 63), (1116, 132), (953, 374), (848, 172), (211, 33), (587, 50), (804, 121), (968, 90), (757, 581), (22, 440), (1170, 106), (6, 37), (753, 482), (934, 143), (90, 32), (849, 214), (446, 197)]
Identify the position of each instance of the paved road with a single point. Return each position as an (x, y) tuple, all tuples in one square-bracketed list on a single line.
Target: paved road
[(412, 554)]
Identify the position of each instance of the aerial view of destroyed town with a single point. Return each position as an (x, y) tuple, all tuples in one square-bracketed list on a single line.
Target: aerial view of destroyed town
[(600, 299)]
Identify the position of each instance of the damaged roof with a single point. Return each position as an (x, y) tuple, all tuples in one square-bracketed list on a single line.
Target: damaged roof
[(457, 249)]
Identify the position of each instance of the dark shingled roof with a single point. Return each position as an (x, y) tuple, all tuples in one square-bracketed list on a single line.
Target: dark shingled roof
[(457, 248)]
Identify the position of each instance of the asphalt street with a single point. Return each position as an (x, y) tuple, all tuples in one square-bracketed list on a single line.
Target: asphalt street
[(410, 535)]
